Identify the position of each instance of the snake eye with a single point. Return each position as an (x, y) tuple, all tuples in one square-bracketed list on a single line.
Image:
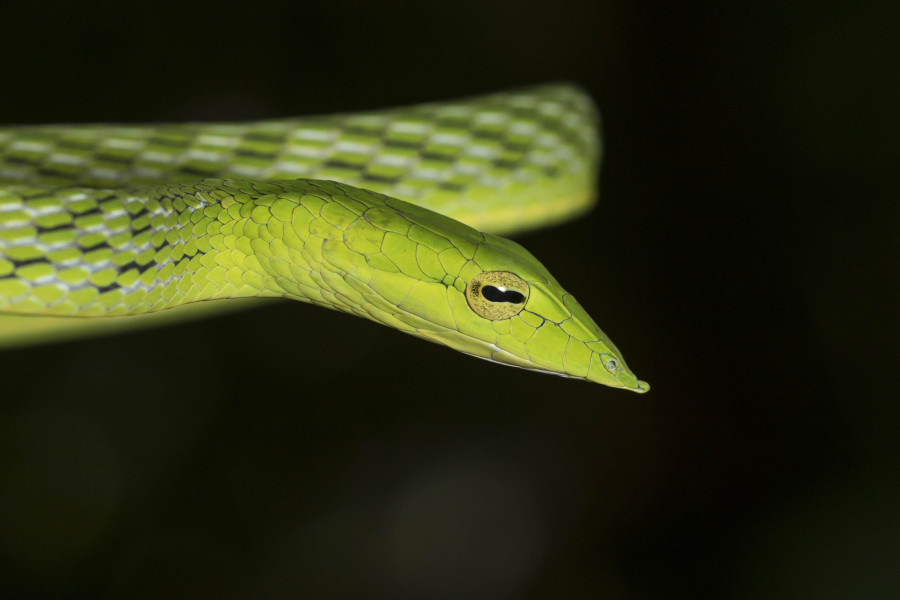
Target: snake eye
[(497, 295)]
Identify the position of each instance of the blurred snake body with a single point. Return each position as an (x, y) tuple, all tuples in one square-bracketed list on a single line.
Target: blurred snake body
[(388, 215)]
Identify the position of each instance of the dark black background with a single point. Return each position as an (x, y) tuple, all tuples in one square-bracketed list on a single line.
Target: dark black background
[(743, 257)]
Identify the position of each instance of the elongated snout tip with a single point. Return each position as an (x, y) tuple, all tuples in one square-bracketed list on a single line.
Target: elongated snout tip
[(642, 386)]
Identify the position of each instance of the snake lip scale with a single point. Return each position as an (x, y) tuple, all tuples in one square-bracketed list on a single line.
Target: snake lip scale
[(389, 215)]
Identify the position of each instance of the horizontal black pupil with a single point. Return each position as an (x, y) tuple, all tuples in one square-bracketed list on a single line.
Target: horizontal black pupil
[(497, 295)]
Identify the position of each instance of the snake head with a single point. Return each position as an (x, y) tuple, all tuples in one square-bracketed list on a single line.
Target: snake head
[(488, 296), (433, 277), (524, 318)]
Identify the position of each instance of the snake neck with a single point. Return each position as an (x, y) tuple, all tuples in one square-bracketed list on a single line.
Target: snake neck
[(89, 252), (92, 252)]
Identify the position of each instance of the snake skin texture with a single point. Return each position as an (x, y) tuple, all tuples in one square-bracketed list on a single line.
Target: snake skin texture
[(113, 221), (501, 163)]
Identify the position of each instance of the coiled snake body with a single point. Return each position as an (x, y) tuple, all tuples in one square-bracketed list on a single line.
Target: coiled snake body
[(107, 221)]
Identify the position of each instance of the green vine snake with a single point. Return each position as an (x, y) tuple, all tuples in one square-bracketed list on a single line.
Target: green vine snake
[(390, 215)]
